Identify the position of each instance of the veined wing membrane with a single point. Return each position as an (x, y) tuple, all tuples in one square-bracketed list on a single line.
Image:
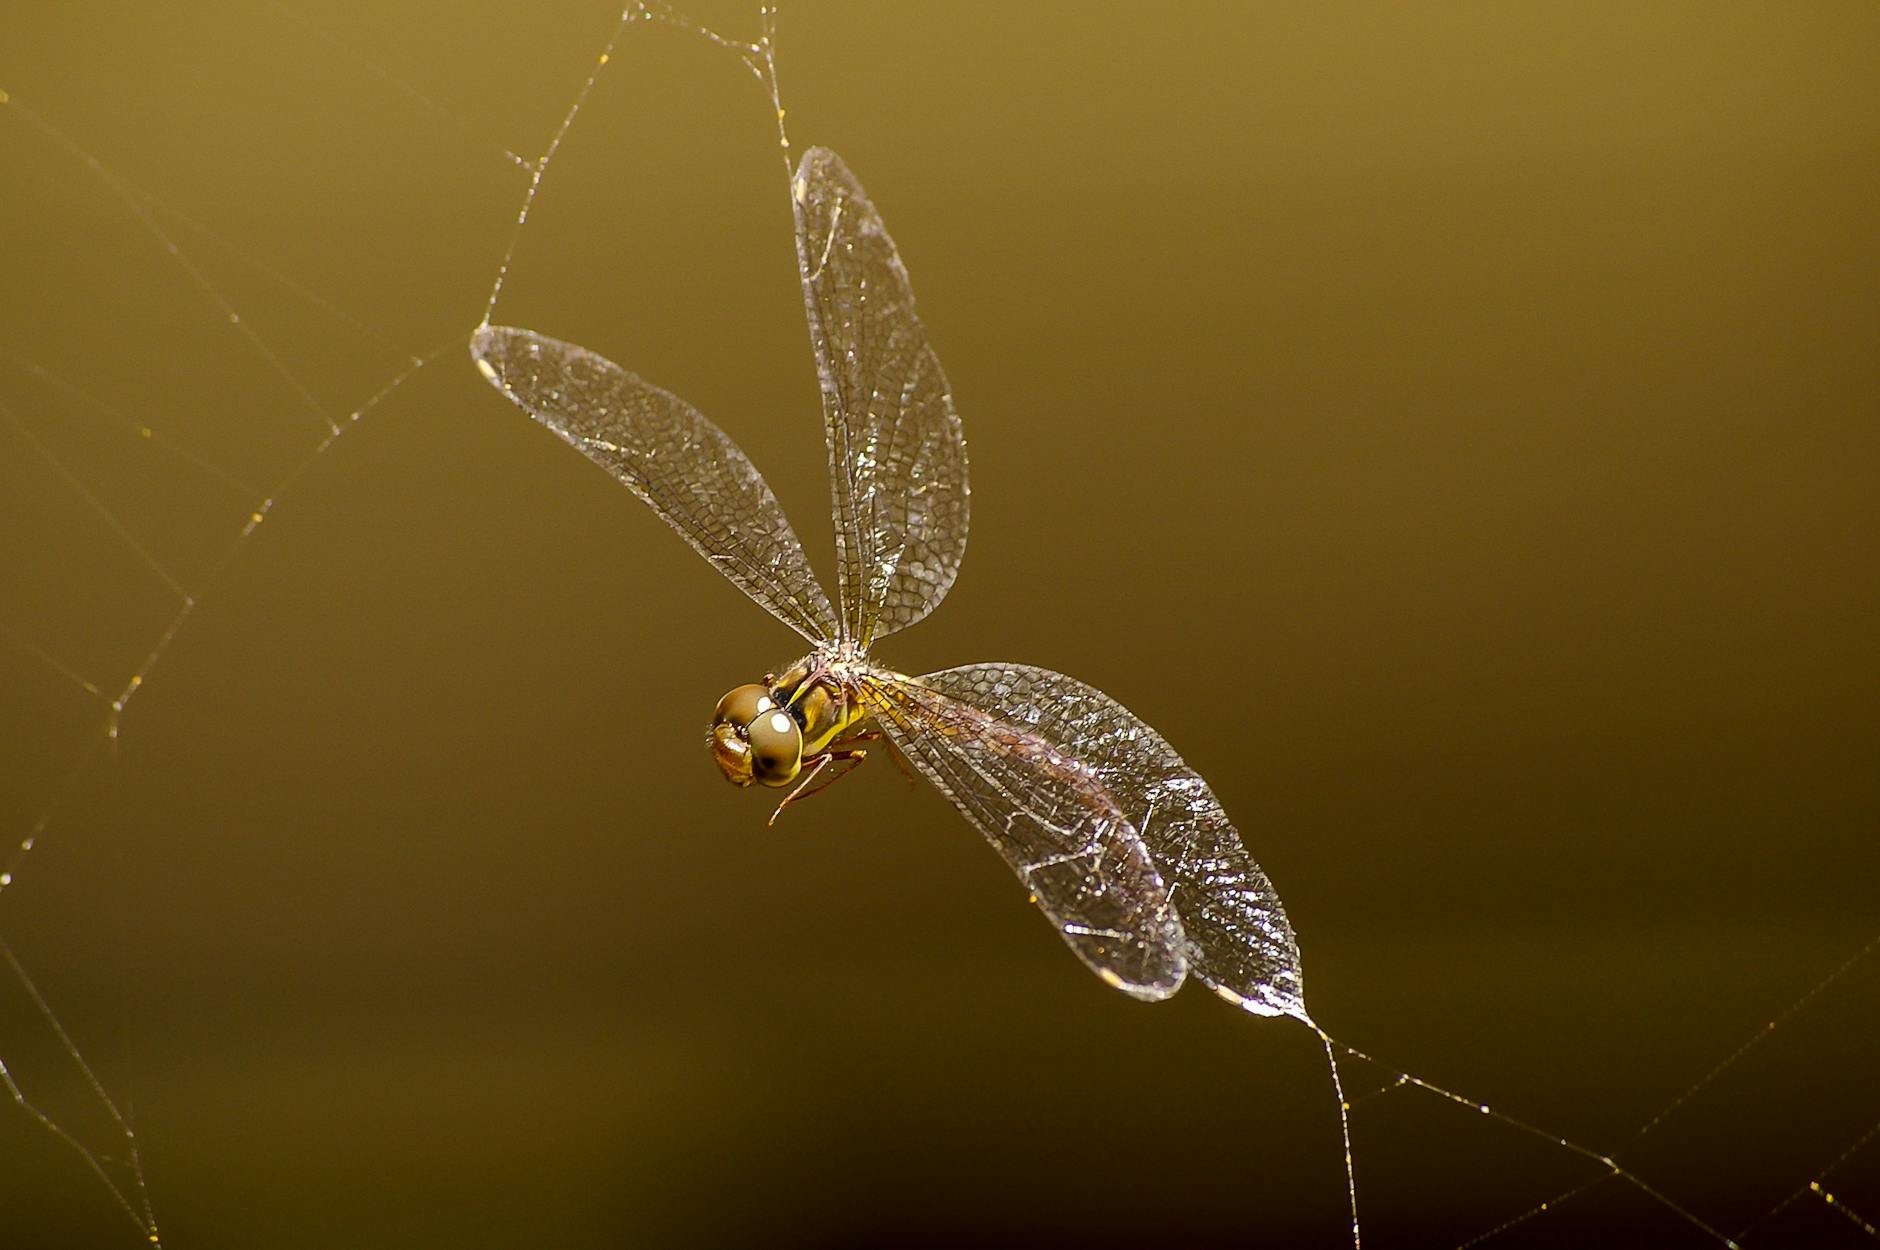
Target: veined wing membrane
[(684, 467), (897, 459), (1047, 813), (1239, 941)]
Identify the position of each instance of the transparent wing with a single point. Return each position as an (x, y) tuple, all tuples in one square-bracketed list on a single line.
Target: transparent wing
[(684, 467), (1239, 942), (1048, 814), (897, 460)]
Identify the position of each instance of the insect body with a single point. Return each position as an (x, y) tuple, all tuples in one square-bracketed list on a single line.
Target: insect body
[(1121, 845), (790, 729)]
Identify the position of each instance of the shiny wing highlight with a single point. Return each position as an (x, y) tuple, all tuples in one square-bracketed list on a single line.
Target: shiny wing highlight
[(1047, 812), (897, 459), (684, 467), (1238, 940)]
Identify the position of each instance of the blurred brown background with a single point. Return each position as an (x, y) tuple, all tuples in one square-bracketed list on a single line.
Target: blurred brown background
[(1454, 427)]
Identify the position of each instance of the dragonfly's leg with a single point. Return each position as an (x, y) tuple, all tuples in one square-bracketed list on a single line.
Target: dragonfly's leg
[(845, 760), (894, 752), (822, 762), (900, 761)]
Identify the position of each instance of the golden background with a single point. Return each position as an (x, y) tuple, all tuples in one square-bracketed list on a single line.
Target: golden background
[(1454, 427)]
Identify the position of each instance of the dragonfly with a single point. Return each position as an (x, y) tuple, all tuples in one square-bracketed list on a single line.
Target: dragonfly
[(1119, 843)]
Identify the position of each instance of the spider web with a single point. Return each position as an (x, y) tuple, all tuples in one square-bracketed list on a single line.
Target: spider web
[(362, 888)]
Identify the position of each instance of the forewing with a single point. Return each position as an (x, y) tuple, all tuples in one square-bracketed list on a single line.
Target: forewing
[(1048, 814), (897, 460), (684, 467), (1239, 942)]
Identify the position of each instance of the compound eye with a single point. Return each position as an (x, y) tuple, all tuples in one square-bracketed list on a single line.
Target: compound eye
[(743, 705), (776, 748)]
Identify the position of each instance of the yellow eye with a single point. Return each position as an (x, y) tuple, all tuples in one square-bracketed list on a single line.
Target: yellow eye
[(776, 748), (743, 705)]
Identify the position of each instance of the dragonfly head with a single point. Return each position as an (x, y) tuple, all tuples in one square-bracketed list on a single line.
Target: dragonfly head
[(754, 739)]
